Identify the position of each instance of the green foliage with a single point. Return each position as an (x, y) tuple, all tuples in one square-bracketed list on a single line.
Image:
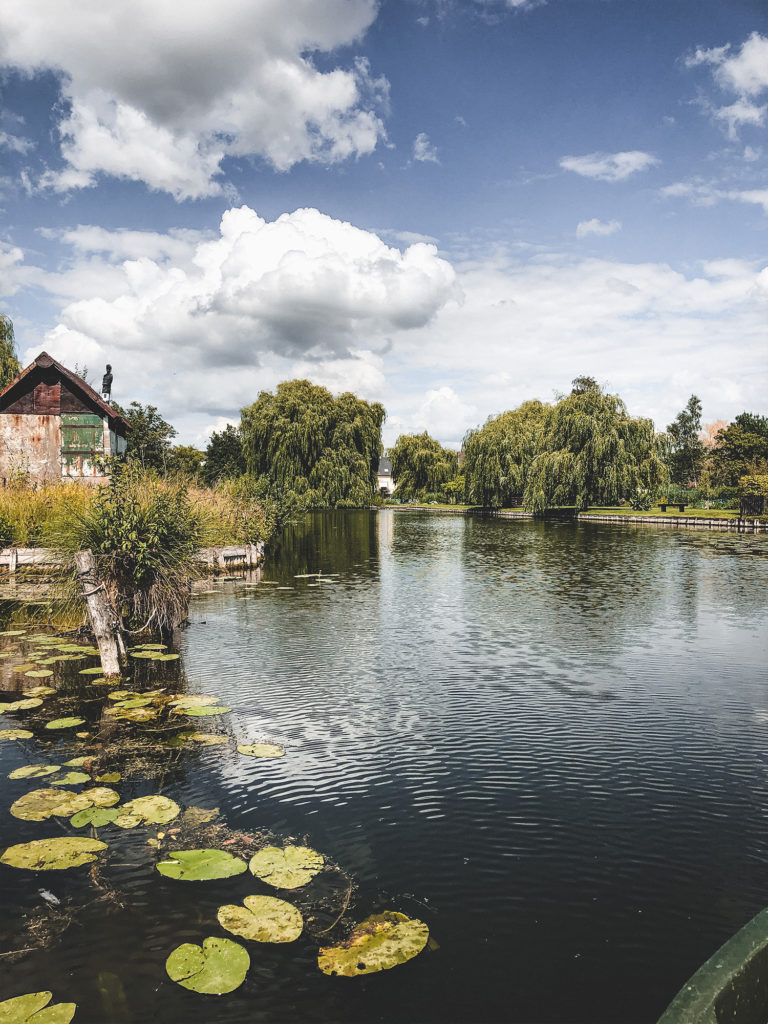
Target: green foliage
[(498, 456), (591, 452), (739, 451), (752, 423), (186, 461), (642, 501), (754, 484), (9, 363), (453, 489), (421, 466), (149, 439), (224, 456), (321, 449), (685, 451)]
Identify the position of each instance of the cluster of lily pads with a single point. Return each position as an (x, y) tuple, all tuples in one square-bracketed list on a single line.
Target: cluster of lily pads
[(218, 965)]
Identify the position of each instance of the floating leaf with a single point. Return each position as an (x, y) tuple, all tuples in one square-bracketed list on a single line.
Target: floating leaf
[(167, 657), (150, 647), (96, 816), (263, 919), (260, 750), (65, 723), (123, 694), (194, 816), (194, 700), (200, 712), (134, 714), (102, 682), (15, 734), (109, 777), (72, 779), (25, 667), (103, 796), (39, 673), (189, 736), (40, 691), (34, 771), (28, 1009), (13, 632), (53, 854), (201, 865), (218, 967), (97, 671), (45, 803), (378, 943), (155, 809), (287, 868), (143, 654), (78, 762), (21, 705), (135, 702)]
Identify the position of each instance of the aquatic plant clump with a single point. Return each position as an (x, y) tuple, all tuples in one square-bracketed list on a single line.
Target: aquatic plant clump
[(215, 968), (379, 943)]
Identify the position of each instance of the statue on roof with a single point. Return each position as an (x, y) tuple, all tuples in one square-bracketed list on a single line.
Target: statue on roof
[(106, 383)]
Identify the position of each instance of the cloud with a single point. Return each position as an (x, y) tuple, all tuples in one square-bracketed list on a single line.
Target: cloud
[(423, 150), (609, 166), (164, 92), (15, 143), (743, 72), (597, 227), (708, 194)]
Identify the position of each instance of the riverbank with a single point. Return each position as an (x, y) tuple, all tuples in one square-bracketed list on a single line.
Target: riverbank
[(697, 518)]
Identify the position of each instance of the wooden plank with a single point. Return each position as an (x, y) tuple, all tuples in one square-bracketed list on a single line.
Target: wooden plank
[(100, 613)]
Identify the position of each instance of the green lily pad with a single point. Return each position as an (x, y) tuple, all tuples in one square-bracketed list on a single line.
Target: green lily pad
[(134, 714), (91, 671), (40, 691), (123, 694), (39, 673), (72, 779), (13, 632), (109, 777), (201, 865), (167, 657), (287, 868), (78, 762), (380, 942), (150, 647), (40, 804), (144, 810), (28, 1009), (200, 712), (34, 771), (261, 750), (96, 816), (15, 734), (135, 702), (53, 854), (262, 919), (188, 736), (102, 796), (21, 705), (25, 667), (193, 700), (65, 723), (218, 967), (144, 654)]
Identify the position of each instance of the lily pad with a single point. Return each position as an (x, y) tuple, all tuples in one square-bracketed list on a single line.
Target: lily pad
[(28, 1009), (78, 762), (15, 734), (200, 712), (167, 657), (72, 779), (157, 810), (189, 736), (134, 714), (287, 868), (65, 723), (201, 865), (144, 654), (261, 750), (123, 694), (135, 702), (25, 667), (34, 771), (150, 647), (96, 816), (380, 942), (262, 919), (194, 700), (102, 796), (21, 705), (40, 804), (39, 673), (97, 671), (40, 691), (215, 968), (109, 777), (53, 854), (13, 632)]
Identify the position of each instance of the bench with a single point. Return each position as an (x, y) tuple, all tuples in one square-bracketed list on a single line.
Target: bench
[(680, 505)]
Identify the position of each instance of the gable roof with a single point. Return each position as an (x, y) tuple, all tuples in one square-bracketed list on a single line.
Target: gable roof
[(45, 362)]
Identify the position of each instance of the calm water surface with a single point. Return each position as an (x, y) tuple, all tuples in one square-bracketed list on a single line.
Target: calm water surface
[(548, 741)]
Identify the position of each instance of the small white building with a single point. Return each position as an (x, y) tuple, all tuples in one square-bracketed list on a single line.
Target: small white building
[(386, 484)]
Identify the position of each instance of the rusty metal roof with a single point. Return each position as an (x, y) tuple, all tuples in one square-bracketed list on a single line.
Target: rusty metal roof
[(45, 362)]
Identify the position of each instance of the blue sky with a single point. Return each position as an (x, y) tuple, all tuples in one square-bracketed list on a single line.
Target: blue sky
[(446, 206)]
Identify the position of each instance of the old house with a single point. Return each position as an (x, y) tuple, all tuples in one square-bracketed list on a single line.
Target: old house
[(54, 426)]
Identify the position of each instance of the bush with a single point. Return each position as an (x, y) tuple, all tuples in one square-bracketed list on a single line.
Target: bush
[(642, 501)]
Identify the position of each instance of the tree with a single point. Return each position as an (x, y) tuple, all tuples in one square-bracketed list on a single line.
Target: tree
[(686, 452), (590, 451), (323, 449), (224, 457), (739, 450), (420, 465), (9, 363), (498, 456), (149, 439), (185, 461)]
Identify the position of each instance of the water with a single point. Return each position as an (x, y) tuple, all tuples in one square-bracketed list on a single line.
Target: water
[(548, 741)]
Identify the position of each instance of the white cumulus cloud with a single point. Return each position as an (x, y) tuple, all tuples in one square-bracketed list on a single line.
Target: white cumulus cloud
[(597, 227), (423, 150), (609, 166), (743, 72), (163, 92)]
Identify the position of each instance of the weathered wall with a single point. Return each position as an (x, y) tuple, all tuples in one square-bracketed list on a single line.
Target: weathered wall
[(30, 444)]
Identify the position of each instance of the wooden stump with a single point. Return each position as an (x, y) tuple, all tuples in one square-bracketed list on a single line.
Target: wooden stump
[(100, 614)]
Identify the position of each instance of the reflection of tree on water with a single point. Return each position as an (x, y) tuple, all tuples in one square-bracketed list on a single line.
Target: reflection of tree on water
[(330, 541)]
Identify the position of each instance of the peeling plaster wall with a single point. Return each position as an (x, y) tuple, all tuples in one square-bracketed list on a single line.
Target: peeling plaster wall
[(30, 444)]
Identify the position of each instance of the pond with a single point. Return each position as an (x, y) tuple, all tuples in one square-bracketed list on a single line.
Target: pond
[(547, 741)]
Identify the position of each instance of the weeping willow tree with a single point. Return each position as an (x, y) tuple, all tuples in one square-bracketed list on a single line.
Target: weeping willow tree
[(590, 452), (498, 456), (420, 465), (9, 363), (303, 441)]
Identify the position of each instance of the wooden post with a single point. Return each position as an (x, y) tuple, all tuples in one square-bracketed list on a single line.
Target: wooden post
[(13, 559), (100, 613)]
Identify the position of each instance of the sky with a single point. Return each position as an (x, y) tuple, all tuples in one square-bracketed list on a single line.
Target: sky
[(447, 206)]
